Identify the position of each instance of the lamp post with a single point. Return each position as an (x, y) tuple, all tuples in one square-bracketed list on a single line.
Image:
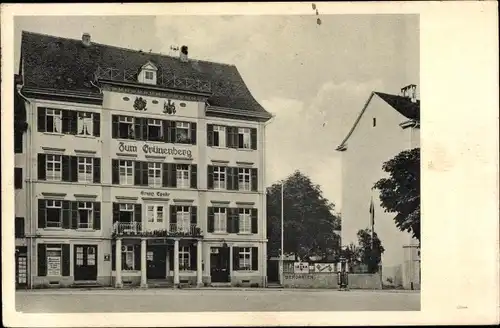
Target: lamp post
[(282, 232)]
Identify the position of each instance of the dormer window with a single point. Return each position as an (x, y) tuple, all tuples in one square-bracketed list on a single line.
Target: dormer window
[(147, 74)]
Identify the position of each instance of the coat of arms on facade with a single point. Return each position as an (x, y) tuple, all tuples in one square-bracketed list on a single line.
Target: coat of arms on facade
[(140, 103), (169, 107)]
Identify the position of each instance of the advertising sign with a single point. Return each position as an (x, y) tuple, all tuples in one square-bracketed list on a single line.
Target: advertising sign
[(301, 267), (53, 265), (324, 267)]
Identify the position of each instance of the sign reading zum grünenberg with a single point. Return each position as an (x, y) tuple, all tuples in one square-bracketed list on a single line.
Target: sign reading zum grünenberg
[(156, 150)]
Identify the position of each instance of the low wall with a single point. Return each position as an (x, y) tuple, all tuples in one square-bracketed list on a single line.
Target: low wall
[(330, 280)]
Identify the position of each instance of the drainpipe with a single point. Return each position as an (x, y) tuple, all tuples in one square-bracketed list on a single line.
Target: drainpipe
[(264, 200)]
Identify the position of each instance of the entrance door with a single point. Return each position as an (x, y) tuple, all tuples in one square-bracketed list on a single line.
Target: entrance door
[(156, 257), (155, 215), (85, 262), (273, 271), (219, 264)]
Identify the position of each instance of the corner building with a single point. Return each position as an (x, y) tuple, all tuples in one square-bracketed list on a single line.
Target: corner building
[(139, 168)]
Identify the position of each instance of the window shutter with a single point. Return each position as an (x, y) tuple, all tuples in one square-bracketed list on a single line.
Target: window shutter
[(194, 215), (41, 166), (144, 127), (73, 167), (172, 175), (74, 215), (138, 128), (255, 224), (66, 224), (255, 259), (137, 173), (97, 170), (210, 219), (66, 121), (115, 171), (254, 179), (170, 260), (192, 125), (96, 121), (42, 214), (97, 216), (145, 173), (171, 132), (229, 221), (19, 227), (73, 122), (253, 138), (236, 258), (113, 257), (173, 214), (66, 169), (138, 213), (165, 126), (41, 120), (210, 177), (210, 135), (229, 137), (18, 142), (235, 136), (234, 178), (18, 178), (42, 260), (164, 175), (192, 257), (194, 176), (229, 178), (114, 126), (116, 212), (137, 257), (65, 260), (236, 220)]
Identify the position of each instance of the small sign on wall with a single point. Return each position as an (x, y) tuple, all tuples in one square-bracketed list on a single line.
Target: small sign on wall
[(107, 257), (301, 267)]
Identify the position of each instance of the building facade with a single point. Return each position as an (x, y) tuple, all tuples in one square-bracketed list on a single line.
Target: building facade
[(387, 125), (138, 168)]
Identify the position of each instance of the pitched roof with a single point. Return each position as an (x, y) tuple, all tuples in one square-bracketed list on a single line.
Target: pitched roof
[(404, 105), (51, 62)]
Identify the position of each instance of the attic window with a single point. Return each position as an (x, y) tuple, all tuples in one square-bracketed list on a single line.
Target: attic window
[(149, 75)]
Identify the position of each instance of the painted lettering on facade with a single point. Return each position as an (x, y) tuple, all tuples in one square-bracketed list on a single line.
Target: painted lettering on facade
[(148, 149), (299, 276), (155, 193)]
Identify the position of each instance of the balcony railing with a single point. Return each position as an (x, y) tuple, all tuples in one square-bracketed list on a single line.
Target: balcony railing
[(141, 230)]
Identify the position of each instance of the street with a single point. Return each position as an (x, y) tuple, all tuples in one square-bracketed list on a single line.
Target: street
[(194, 300)]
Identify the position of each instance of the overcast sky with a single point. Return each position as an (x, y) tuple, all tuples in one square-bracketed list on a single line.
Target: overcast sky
[(314, 78)]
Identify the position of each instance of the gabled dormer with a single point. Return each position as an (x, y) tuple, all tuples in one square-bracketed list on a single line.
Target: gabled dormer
[(148, 73)]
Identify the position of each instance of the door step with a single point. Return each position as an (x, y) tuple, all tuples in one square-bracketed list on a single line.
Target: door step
[(86, 284), (274, 285), (220, 284)]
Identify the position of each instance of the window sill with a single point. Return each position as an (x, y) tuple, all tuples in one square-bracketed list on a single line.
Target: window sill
[(85, 229), (53, 229), (84, 136), (54, 133), (219, 233), (245, 233)]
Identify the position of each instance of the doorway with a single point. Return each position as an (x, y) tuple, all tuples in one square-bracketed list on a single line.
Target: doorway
[(156, 258), (85, 262), (219, 264), (273, 271)]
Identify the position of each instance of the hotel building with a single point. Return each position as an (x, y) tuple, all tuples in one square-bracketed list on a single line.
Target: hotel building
[(136, 168)]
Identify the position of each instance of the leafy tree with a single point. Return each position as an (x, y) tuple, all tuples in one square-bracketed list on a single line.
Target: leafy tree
[(400, 193), (309, 219), (352, 253), (370, 256)]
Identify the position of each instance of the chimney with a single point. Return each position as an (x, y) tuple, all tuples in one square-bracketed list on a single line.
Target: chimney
[(184, 54), (86, 39), (410, 91)]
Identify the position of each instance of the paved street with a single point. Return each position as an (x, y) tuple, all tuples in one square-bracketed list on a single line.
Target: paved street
[(247, 300)]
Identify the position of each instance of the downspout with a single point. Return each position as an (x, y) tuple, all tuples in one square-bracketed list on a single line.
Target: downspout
[(29, 185), (264, 199)]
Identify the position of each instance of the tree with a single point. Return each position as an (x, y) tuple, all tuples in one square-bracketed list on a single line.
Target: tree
[(400, 193), (309, 219), (370, 256)]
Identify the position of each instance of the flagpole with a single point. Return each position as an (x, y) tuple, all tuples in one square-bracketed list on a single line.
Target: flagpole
[(282, 231)]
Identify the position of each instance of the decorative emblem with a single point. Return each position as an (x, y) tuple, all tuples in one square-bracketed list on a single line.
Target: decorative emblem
[(169, 107), (140, 104)]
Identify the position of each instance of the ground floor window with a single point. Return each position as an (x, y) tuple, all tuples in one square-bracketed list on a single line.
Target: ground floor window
[(184, 259), (245, 262), (128, 257)]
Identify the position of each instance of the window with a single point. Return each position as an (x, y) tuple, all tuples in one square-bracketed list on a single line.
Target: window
[(19, 227), (155, 213), (155, 130), (184, 259), (244, 179), (245, 262), (54, 213), (183, 219), (244, 140), (182, 132), (79, 255), (18, 178), (149, 75), (126, 172), (219, 177), (219, 136), (85, 215), (54, 261), (154, 175), (126, 213), (182, 175), (85, 165), (245, 220), (85, 126), (18, 142), (126, 127), (53, 121), (128, 257), (53, 168), (220, 219)]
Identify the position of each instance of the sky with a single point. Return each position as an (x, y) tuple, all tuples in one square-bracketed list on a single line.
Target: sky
[(314, 78)]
